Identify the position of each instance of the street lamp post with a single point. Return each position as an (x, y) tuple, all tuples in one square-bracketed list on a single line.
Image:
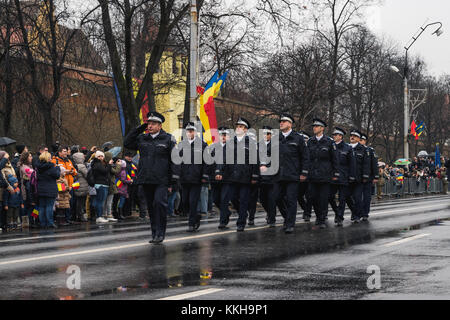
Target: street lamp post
[(438, 32)]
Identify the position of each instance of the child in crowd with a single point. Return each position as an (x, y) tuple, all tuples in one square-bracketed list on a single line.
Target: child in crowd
[(12, 203), (63, 200), (122, 183)]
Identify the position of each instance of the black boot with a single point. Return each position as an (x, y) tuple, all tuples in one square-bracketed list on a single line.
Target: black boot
[(120, 214), (93, 215)]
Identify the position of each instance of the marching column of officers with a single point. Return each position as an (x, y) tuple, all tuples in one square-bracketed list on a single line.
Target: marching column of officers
[(311, 172)]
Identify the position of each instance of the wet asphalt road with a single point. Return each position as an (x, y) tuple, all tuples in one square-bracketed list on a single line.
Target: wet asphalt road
[(408, 240)]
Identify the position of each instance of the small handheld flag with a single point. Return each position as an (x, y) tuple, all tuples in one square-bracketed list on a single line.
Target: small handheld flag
[(35, 213), (119, 183), (76, 185), (61, 187)]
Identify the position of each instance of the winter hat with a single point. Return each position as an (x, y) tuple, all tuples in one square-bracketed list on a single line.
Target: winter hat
[(99, 153), (2, 154), (123, 163), (20, 148), (12, 179)]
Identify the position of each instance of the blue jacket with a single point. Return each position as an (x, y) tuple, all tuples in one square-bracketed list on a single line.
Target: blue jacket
[(47, 174), (12, 200), (347, 164)]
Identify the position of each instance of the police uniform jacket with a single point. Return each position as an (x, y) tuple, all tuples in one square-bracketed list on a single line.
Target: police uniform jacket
[(373, 164), (266, 179), (241, 172), (214, 168), (155, 164), (324, 164), (362, 163), (294, 157), (347, 164), (190, 172)]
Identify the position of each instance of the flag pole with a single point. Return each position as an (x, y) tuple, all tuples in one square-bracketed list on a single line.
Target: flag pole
[(193, 62)]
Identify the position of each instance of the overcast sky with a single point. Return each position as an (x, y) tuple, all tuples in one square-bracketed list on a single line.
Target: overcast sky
[(399, 20)]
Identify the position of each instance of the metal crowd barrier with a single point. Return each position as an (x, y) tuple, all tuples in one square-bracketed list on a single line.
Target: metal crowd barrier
[(412, 186)]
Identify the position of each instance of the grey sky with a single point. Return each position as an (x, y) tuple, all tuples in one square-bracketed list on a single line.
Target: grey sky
[(399, 20)]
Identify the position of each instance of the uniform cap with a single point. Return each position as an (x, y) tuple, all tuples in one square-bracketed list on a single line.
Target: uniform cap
[(155, 116), (319, 122), (338, 130), (243, 122), (287, 117)]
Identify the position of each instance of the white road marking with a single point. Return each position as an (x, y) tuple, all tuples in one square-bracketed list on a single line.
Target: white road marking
[(140, 244), (192, 294), (394, 243)]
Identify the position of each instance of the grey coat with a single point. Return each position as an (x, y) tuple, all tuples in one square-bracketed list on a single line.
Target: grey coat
[(83, 191)]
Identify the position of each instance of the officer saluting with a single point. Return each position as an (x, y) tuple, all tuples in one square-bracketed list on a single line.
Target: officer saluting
[(193, 172), (346, 175), (324, 168), (362, 168), (293, 168), (156, 172), (242, 172), (373, 178)]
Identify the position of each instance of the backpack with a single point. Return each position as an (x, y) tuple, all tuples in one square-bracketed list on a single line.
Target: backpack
[(90, 178), (34, 184)]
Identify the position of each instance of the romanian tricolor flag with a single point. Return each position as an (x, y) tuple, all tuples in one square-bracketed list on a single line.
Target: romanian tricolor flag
[(413, 130), (207, 111), (144, 108), (35, 213), (420, 129), (61, 187), (400, 178), (76, 185), (128, 177), (119, 183)]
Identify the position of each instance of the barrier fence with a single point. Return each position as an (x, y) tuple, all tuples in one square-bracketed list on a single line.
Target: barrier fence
[(412, 186)]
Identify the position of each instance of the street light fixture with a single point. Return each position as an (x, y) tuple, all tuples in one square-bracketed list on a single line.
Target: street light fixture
[(438, 32)]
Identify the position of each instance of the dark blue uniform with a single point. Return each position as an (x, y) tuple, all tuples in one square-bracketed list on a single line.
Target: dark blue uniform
[(192, 171), (156, 173), (347, 166), (240, 174), (294, 162), (362, 172), (268, 201), (324, 165), (368, 186)]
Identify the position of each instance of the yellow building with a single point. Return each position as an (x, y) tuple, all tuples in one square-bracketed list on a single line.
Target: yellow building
[(170, 91)]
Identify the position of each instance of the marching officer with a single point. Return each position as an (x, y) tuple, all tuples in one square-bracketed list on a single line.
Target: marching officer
[(373, 178), (324, 168), (193, 173), (303, 195), (346, 175), (242, 173), (293, 168), (254, 190), (362, 171), (218, 147), (157, 173), (267, 199)]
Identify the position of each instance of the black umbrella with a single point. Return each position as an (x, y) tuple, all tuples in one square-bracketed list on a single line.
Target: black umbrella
[(5, 141)]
